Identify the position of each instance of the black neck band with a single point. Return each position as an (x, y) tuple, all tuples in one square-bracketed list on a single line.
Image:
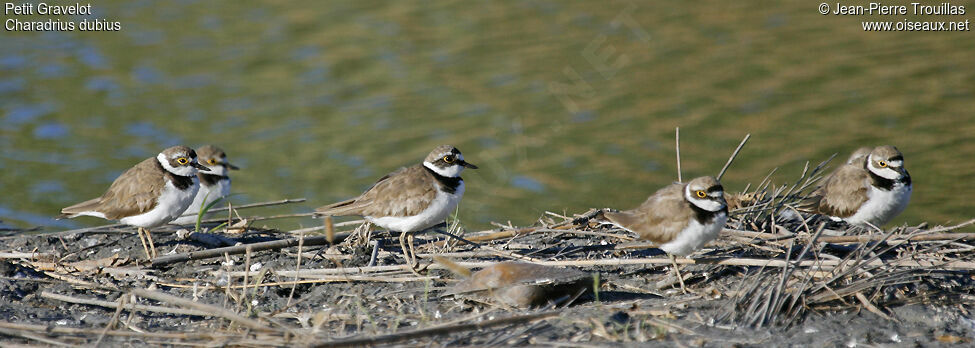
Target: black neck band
[(447, 184)]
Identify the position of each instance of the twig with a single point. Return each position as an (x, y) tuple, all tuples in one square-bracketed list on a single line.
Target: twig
[(301, 240), (19, 255), (322, 228), (199, 336), (212, 310), (916, 238), (111, 322), (949, 228), (871, 307), (329, 229), (115, 305), (677, 146), (733, 155), (256, 205), (240, 249), (315, 280), (32, 336), (587, 233), (489, 235), (436, 330), (499, 252)]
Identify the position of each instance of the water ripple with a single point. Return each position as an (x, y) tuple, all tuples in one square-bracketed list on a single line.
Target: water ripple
[(527, 183), (50, 130)]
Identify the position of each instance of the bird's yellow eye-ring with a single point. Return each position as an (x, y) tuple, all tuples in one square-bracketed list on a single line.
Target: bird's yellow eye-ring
[(701, 194), (212, 161), (182, 160), (882, 164), (448, 159)]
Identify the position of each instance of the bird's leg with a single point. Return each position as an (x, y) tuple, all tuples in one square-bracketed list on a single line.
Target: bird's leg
[(409, 252), (144, 246), (409, 241), (406, 251), (673, 261), (152, 247), (415, 265)]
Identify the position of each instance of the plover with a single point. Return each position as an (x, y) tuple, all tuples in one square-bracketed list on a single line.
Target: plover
[(152, 193), (870, 190), (410, 199), (214, 184), (680, 218)]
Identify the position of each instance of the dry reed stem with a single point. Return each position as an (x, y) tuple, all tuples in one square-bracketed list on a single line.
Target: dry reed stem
[(115, 305), (866, 238), (733, 155), (32, 336), (240, 249), (213, 310), (258, 205), (199, 336), (677, 147), (436, 330), (31, 255), (317, 280)]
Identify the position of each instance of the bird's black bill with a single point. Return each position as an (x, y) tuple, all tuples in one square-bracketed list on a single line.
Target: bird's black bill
[(468, 165), (231, 166), (200, 167)]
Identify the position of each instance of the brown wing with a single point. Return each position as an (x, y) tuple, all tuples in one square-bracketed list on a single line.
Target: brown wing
[(404, 192), (843, 192), (134, 192), (660, 218), (811, 203)]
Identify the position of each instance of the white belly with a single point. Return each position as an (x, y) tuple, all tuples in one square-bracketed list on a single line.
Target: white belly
[(437, 212), (694, 236), (171, 204), (882, 205), (212, 193)]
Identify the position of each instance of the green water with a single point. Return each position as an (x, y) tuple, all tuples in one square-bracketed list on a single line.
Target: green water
[(318, 99)]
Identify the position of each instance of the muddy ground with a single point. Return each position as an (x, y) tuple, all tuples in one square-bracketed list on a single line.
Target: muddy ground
[(636, 304)]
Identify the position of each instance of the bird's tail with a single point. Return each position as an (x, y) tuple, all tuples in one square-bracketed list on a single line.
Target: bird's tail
[(78, 209), (346, 207)]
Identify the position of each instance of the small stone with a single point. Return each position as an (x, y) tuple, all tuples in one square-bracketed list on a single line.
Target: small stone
[(620, 317), (182, 233), (521, 284)]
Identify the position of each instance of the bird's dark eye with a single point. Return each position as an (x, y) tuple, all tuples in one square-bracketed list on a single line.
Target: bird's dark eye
[(701, 194), (882, 164), (182, 160), (212, 161), (448, 159)]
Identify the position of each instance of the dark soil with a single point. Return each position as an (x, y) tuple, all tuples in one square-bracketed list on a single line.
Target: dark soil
[(629, 308)]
